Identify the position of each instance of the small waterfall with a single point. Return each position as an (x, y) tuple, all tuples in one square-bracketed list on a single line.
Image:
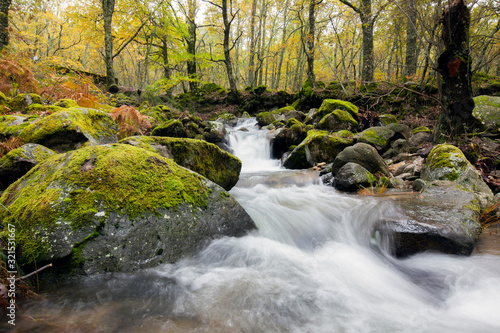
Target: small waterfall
[(252, 146)]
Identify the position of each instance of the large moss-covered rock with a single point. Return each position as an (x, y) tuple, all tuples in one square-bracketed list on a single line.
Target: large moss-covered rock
[(487, 111), (20, 102), (215, 132), (330, 105), (364, 155), (19, 161), (447, 162), (70, 129), (338, 120), (442, 218), (172, 128), (285, 137), (352, 177), (197, 155), (318, 146), (381, 137), (267, 118), (11, 125), (116, 208)]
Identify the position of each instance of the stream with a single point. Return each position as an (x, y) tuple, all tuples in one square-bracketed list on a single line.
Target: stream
[(314, 265)]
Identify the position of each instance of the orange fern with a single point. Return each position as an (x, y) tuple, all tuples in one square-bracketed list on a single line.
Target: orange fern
[(130, 121)]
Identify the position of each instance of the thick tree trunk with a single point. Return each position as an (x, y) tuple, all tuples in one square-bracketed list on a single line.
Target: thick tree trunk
[(454, 65), (368, 69), (411, 40), (4, 23), (227, 50), (251, 60), (108, 8)]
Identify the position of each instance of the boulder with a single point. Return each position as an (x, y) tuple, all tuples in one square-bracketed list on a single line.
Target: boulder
[(200, 156), (442, 218), (330, 105), (364, 155), (318, 146), (11, 125), (487, 111), (420, 138), (19, 161), (352, 177), (115, 208), (447, 162), (267, 118), (70, 129), (337, 120), (381, 137), (285, 137), (172, 128), (215, 132)]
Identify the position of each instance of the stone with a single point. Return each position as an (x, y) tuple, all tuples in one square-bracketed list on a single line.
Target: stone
[(487, 111), (200, 156), (443, 218), (364, 155), (116, 208), (215, 132), (352, 177)]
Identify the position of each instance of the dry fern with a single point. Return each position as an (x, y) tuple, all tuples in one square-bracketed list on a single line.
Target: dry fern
[(130, 121), (15, 73), (10, 144)]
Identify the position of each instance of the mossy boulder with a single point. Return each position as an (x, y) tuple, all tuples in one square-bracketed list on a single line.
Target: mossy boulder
[(330, 105), (364, 155), (21, 102), (19, 161), (70, 129), (172, 128), (447, 162), (267, 118), (337, 120), (443, 218), (215, 132), (11, 125), (227, 118), (290, 135), (318, 146), (487, 111), (387, 119), (66, 103), (197, 155), (381, 137), (421, 129), (352, 177), (115, 208)]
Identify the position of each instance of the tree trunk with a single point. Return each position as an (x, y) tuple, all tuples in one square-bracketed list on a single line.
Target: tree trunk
[(108, 8), (283, 42), (411, 40), (191, 45), (367, 29), (227, 50), (4, 23), (310, 43), (166, 65), (251, 60), (454, 65)]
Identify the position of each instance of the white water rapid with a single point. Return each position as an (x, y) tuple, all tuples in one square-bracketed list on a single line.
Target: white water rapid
[(313, 266)]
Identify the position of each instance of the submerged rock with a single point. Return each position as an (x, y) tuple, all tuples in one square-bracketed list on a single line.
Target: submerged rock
[(197, 155), (70, 129), (19, 161), (116, 208), (442, 218)]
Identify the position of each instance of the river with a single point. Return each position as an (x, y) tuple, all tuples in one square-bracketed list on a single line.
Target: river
[(314, 265)]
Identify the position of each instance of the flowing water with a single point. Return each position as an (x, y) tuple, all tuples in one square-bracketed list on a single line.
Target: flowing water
[(314, 265)]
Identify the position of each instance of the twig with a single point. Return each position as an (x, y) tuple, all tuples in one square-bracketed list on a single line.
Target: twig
[(33, 273)]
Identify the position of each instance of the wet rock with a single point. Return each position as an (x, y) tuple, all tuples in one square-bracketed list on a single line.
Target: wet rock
[(381, 137), (447, 162), (364, 155), (318, 146), (200, 156), (443, 218), (215, 132), (352, 177), (487, 111), (420, 138), (70, 129), (116, 208), (337, 120)]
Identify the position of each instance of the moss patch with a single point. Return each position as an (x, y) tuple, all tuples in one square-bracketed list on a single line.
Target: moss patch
[(329, 105), (75, 186)]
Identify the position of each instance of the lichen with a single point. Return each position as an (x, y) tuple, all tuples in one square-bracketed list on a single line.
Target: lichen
[(74, 186)]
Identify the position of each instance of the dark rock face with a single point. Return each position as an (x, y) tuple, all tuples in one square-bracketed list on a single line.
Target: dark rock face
[(351, 177), (116, 208), (362, 154), (442, 218), (19, 161)]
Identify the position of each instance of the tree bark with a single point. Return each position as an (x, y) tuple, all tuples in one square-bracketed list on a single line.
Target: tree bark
[(4, 23), (108, 8), (191, 45), (310, 36), (227, 50), (251, 60), (411, 40), (454, 65)]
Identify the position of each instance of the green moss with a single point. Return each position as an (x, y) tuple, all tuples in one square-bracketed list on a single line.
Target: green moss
[(371, 136), (421, 129), (259, 90), (387, 119), (286, 109), (172, 128), (124, 178), (265, 118), (66, 103), (329, 105), (295, 104), (3, 99), (13, 125), (447, 156), (33, 108)]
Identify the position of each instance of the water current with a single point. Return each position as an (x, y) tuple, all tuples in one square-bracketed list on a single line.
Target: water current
[(313, 265)]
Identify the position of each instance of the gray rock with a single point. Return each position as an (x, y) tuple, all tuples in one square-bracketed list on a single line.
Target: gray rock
[(364, 155), (215, 132), (352, 177), (442, 218), (19, 161), (420, 138)]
